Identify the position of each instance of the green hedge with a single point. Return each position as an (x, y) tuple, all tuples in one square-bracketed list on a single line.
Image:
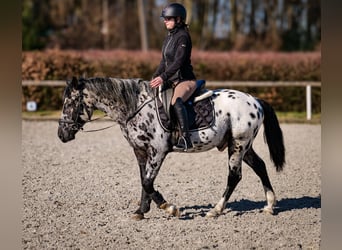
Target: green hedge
[(215, 66)]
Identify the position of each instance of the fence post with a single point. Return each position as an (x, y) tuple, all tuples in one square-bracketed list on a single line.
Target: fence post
[(308, 102)]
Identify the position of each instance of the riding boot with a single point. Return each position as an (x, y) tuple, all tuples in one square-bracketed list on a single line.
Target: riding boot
[(184, 142)]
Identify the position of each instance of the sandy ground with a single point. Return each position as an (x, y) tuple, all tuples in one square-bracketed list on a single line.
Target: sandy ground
[(81, 195)]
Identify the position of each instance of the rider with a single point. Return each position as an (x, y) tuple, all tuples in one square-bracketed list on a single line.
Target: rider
[(175, 67)]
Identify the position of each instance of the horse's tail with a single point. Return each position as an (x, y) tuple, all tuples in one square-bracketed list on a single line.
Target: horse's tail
[(273, 136)]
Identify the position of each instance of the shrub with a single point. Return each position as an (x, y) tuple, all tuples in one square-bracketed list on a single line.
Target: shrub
[(215, 66)]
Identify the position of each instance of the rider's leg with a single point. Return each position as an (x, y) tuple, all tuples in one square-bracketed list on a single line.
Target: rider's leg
[(182, 92)]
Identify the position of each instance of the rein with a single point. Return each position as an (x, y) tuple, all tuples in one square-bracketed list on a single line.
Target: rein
[(127, 120), (95, 130), (138, 110), (76, 125)]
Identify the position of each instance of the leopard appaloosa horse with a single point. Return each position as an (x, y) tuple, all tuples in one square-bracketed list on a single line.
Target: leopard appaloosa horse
[(237, 117)]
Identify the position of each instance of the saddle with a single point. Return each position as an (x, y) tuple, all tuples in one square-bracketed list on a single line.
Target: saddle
[(199, 107)]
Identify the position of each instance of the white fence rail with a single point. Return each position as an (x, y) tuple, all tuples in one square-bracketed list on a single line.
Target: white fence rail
[(220, 84)]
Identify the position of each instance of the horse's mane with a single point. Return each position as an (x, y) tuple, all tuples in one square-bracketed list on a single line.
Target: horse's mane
[(123, 91)]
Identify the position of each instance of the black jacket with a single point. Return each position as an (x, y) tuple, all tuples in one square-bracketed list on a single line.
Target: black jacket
[(175, 64)]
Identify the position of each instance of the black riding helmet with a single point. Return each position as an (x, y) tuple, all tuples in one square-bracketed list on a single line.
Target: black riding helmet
[(174, 10)]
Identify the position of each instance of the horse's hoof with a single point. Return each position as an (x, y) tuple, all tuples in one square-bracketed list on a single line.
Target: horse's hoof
[(268, 210), (177, 213), (171, 209), (212, 213), (138, 216)]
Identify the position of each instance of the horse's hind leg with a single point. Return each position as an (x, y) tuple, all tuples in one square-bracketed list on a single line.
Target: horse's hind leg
[(259, 167), (234, 177)]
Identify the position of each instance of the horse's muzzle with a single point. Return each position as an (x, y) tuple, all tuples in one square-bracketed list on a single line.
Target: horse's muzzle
[(66, 135)]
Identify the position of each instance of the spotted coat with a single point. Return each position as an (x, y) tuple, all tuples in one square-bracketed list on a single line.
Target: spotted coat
[(129, 102)]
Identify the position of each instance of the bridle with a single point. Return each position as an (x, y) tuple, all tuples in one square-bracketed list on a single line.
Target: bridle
[(75, 124)]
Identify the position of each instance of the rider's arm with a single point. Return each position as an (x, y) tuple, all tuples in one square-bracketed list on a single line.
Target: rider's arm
[(160, 68)]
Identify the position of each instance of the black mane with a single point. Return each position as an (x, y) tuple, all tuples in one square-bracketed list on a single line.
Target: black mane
[(122, 91)]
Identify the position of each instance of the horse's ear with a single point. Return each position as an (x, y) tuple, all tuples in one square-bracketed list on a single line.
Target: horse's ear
[(73, 83)]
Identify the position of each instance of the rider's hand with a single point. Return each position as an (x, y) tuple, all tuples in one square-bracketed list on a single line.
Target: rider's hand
[(156, 82)]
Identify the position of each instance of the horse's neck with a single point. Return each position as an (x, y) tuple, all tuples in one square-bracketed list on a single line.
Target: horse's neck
[(104, 107), (113, 110), (116, 110)]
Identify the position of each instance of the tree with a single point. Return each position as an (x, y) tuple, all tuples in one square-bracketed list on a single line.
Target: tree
[(214, 24), (34, 26), (143, 28), (271, 37), (313, 23)]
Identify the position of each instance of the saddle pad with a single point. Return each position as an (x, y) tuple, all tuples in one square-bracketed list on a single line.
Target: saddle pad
[(201, 115), (204, 114)]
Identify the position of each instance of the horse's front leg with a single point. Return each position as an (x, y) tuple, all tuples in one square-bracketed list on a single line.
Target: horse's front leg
[(144, 206), (149, 168), (158, 198), (145, 201)]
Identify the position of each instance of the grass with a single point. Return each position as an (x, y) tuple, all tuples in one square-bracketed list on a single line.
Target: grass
[(283, 117), (298, 117)]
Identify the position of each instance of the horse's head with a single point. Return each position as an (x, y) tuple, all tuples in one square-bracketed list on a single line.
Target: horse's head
[(75, 111)]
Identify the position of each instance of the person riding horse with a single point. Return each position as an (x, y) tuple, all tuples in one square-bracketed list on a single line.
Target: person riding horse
[(175, 68)]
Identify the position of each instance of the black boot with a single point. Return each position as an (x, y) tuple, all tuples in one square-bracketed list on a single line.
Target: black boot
[(184, 142)]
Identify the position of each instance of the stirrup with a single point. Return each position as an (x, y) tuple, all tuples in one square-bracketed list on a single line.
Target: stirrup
[(183, 144)]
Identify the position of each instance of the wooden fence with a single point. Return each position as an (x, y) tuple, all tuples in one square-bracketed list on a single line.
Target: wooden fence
[(220, 84)]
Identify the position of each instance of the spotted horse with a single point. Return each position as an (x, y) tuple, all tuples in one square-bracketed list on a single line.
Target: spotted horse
[(131, 103)]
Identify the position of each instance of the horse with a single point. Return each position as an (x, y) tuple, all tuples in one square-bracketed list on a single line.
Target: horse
[(132, 103)]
